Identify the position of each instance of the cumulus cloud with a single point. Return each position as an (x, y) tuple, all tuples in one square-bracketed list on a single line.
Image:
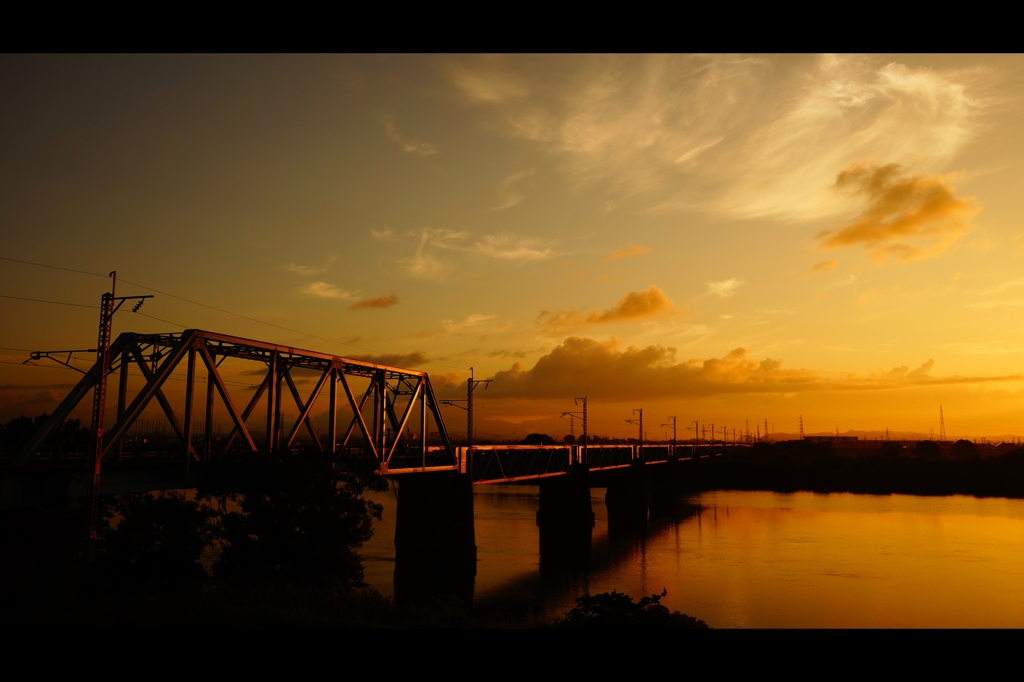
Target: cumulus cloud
[(651, 302), (413, 359), (409, 146), (724, 288), (606, 371), (379, 302), (627, 251), (901, 208), (325, 290)]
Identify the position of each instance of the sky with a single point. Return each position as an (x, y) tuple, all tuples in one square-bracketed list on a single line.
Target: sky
[(721, 238)]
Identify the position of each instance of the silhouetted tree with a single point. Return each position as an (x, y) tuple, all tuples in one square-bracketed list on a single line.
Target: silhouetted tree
[(291, 518), (615, 610), (926, 449), (890, 448), (964, 449), (570, 439), (156, 544), (538, 439)]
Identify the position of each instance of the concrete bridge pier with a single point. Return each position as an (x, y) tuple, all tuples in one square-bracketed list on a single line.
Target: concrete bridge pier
[(435, 538), (628, 498), (566, 520)]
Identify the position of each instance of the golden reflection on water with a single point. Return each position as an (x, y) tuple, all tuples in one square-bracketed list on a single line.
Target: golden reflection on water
[(757, 559)]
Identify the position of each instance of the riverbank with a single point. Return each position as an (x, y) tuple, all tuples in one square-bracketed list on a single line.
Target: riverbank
[(792, 466)]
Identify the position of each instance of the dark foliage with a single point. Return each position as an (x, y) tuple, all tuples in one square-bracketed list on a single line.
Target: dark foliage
[(964, 450), (289, 519), (538, 439), (615, 610), (569, 439), (70, 436), (926, 449), (799, 465), (156, 544)]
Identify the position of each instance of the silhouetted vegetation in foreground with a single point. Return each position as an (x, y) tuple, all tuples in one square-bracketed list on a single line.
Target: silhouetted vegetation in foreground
[(266, 542), (790, 466)]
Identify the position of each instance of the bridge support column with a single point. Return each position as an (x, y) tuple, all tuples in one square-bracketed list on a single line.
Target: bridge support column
[(628, 499), (435, 538), (566, 520)]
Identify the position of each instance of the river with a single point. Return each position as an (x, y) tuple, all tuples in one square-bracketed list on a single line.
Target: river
[(761, 559)]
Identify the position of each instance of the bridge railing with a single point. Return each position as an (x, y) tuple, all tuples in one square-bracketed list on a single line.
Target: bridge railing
[(609, 456), (509, 463)]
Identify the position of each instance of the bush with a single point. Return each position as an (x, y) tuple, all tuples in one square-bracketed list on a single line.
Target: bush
[(157, 543), (290, 519), (538, 439), (615, 610)]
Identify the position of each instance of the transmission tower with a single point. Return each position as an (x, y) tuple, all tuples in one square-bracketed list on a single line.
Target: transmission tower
[(801, 427), (942, 425)]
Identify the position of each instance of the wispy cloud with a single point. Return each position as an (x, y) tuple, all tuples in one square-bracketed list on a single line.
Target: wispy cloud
[(724, 288), (325, 290), (413, 359), (747, 136), (426, 261), (410, 146), (385, 233), (476, 324), (628, 251), (379, 302), (824, 266), (508, 194), (305, 270), (901, 208)]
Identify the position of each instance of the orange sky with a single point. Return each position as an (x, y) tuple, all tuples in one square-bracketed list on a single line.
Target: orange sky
[(717, 237)]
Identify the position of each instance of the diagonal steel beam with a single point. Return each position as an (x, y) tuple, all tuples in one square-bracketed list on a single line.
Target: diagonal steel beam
[(70, 402), (161, 398), (389, 408), (405, 419), (304, 411), (359, 414), (298, 403), (428, 393), (151, 389), (211, 366), (362, 404), (248, 410)]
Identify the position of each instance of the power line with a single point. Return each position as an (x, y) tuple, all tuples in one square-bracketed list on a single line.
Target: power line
[(203, 305), (40, 300)]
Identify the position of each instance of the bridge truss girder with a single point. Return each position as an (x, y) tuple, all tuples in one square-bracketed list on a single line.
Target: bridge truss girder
[(158, 355)]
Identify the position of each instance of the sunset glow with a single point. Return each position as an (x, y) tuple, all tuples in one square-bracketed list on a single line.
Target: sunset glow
[(729, 239)]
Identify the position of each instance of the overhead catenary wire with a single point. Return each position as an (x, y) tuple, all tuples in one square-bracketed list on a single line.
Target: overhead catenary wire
[(203, 305)]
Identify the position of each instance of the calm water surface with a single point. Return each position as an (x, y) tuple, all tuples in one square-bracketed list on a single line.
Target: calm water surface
[(756, 559)]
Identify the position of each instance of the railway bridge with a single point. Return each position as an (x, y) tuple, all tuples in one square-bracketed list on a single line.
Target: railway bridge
[(389, 410)]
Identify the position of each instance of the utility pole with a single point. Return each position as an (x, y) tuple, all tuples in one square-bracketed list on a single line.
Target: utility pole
[(471, 385), (673, 425), (640, 423), (99, 400), (582, 416), (942, 425)]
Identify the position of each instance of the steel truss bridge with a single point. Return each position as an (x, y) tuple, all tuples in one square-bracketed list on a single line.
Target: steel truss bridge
[(381, 402)]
